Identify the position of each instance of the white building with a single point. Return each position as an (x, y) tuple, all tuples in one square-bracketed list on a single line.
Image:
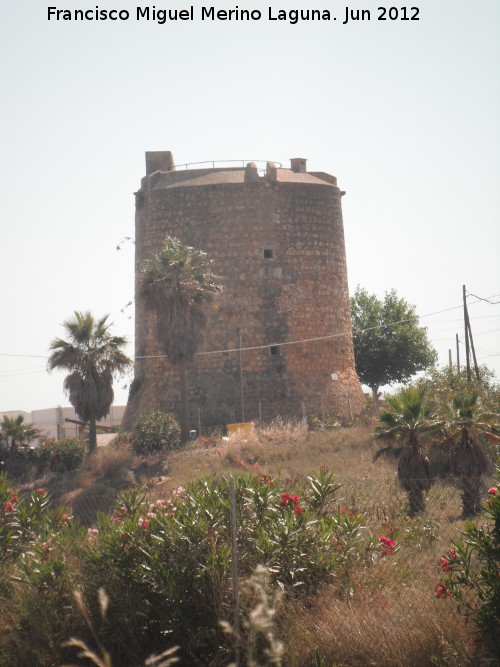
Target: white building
[(52, 421)]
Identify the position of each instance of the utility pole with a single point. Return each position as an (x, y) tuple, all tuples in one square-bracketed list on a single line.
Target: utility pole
[(467, 350), (458, 353), (240, 362), (469, 342), (450, 362)]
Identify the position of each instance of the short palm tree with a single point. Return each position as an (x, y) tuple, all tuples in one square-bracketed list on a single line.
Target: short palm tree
[(14, 433), (93, 357), (179, 283), (465, 421), (406, 418)]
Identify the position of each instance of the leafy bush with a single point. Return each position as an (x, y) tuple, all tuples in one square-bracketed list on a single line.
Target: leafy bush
[(472, 568), (23, 519), (60, 455), (156, 432), (170, 560)]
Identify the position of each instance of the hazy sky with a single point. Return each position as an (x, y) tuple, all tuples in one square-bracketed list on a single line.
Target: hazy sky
[(404, 113)]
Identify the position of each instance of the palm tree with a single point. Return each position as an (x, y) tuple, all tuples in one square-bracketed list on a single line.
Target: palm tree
[(465, 422), (92, 356), (14, 433), (179, 283), (406, 418)]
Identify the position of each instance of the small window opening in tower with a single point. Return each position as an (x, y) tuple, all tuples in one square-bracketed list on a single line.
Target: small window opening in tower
[(268, 253), (274, 350)]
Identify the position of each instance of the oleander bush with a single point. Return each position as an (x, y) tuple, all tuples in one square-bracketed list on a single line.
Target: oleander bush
[(170, 558), (166, 563), (472, 570), (60, 455), (156, 432)]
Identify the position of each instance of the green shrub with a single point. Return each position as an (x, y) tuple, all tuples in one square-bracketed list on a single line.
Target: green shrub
[(156, 432), (472, 568), (170, 559), (23, 519), (60, 455)]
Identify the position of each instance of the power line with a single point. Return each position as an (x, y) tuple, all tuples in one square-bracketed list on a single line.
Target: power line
[(281, 344), (487, 299), (27, 356)]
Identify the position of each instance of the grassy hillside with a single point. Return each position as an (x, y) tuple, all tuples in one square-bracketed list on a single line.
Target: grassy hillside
[(379, 609)]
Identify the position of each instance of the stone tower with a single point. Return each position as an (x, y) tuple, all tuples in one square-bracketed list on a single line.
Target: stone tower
[(279, 341)]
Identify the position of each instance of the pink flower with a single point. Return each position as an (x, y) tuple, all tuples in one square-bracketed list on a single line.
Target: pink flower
[(9, 507), (13, 500), (92, 533), (65, 517), (41, 491), (444, 563), (493, 491), (441, 591)]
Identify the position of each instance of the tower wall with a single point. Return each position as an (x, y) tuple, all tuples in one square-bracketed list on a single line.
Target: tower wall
[(277, 240)]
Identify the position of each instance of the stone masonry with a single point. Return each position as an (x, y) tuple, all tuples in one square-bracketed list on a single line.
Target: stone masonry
[(277, 239)]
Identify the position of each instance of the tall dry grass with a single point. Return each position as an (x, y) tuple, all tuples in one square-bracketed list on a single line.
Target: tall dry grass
[(391, 627)]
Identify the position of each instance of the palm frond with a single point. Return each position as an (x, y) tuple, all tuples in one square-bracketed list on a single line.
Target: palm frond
[(179, 282), (395, 451)]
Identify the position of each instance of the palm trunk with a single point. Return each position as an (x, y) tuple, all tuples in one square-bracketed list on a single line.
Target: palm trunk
[(92, 435), (184, 403), (471, 495), (413, 472), (469, 463)]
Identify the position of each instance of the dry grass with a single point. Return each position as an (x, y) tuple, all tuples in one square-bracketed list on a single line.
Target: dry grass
[(382, 628)]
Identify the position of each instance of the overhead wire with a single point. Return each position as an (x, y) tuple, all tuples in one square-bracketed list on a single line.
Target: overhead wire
[(284, 343)]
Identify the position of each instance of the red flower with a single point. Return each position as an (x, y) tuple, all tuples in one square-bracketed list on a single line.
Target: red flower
[(342, 510), (441, 591), (65, 517), (297, 510), (13, 500), (41, 491), (387, 541), (287, 499), (493, 491), (387, 545), (9, 507)]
